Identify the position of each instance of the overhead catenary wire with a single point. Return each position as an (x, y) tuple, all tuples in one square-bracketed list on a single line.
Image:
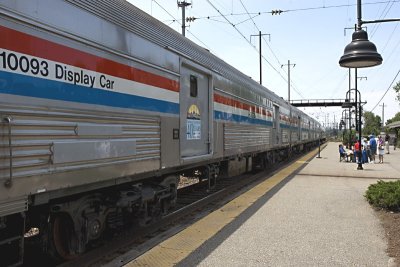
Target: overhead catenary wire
[(382, 16), (270, 61), (390, 86), (255, 25), (295, 10), (241, 34)]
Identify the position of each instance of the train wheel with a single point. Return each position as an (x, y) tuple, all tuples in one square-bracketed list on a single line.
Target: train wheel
[(62, 237), (171, 182)]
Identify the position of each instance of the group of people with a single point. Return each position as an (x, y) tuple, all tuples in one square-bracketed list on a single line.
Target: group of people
[(370, 147)]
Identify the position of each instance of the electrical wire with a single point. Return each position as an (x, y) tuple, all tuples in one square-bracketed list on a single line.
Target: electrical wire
[(390, 86), (241, 34), (255, 14), (255, 25), (298, 9), (376, 26)]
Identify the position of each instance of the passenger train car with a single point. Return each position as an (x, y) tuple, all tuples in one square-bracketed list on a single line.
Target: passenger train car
[(103, 107)]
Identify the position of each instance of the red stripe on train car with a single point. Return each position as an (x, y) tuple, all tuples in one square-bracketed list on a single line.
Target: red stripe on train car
[(237, 104), (28, 44)]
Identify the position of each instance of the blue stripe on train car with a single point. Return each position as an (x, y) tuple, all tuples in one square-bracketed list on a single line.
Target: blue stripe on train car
[(219, 115), (17, 84)]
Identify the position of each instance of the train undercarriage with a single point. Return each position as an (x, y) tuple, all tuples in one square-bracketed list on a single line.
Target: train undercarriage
[(65, 227)]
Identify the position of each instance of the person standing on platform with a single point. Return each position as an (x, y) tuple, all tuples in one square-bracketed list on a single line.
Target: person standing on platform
[(380, 141), (364, 145), (364, 155), (357, 152), (368, 150), (387, 139), (381, 149), (372, 146), (394, 142)]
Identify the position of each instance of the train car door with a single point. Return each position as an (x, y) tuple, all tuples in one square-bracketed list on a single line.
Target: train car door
[(194, 112), (276, 126), (299, 130)]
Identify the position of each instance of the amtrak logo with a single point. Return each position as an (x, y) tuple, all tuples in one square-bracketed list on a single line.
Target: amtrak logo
[(193, 113), (193, 123)]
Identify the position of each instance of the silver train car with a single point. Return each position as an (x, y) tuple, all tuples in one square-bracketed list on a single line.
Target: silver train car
[(103, 107)]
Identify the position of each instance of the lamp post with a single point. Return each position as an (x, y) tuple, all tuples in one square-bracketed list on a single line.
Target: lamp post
[(359, 167), (357, 105), (361, 53), (343, 123)]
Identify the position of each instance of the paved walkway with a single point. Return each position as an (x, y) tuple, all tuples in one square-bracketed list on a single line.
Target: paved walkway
[(318, 218), (313, 217)]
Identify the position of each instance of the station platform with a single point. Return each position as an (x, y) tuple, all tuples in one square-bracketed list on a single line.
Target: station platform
[(312, 213)]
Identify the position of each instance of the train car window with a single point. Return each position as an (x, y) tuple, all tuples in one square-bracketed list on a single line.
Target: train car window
[(193, 86)]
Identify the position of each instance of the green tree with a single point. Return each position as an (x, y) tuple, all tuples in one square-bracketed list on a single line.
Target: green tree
[(397, 89), (372, 123), (395, 118)]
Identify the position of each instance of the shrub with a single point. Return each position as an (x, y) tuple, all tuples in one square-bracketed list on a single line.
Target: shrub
[(385, 195)]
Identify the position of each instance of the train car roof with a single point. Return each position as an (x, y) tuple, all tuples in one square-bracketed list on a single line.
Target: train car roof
[(126, 15), (131, 18)]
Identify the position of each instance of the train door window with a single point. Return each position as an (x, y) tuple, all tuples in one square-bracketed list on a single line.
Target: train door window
[(299, 125), (193, 86)]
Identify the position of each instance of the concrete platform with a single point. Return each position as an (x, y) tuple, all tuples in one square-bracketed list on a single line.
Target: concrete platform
[(313, 217)]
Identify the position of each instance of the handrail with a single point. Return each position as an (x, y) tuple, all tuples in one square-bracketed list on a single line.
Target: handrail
[(8, 182)]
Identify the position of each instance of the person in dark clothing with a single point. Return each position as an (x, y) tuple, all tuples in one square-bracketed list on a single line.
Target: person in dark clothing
[(387, 139), (373, 146), (364, 155)]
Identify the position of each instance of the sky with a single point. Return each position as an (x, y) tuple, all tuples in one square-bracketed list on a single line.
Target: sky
[(312, 34)]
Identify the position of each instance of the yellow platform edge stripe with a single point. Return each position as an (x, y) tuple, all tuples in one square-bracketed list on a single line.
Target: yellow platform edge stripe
[(173, 250)]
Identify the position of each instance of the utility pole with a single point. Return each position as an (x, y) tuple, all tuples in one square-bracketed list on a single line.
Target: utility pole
[(334, 121), (259, 35), (383, 115), (288, 65), (183, 5)]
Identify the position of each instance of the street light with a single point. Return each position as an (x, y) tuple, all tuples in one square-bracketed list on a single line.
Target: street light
[(361, 53), (348, 104), (343, 123)]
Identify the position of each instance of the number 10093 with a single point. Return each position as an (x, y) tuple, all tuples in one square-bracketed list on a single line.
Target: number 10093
[(21, 63)]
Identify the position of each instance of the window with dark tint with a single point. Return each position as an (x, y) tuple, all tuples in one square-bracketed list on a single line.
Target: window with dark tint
[(193, 86)]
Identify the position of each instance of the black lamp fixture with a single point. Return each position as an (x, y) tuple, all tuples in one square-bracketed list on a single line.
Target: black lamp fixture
[(360, 53)]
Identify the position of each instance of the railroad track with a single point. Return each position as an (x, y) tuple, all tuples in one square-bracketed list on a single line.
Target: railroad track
[(194, 202)]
